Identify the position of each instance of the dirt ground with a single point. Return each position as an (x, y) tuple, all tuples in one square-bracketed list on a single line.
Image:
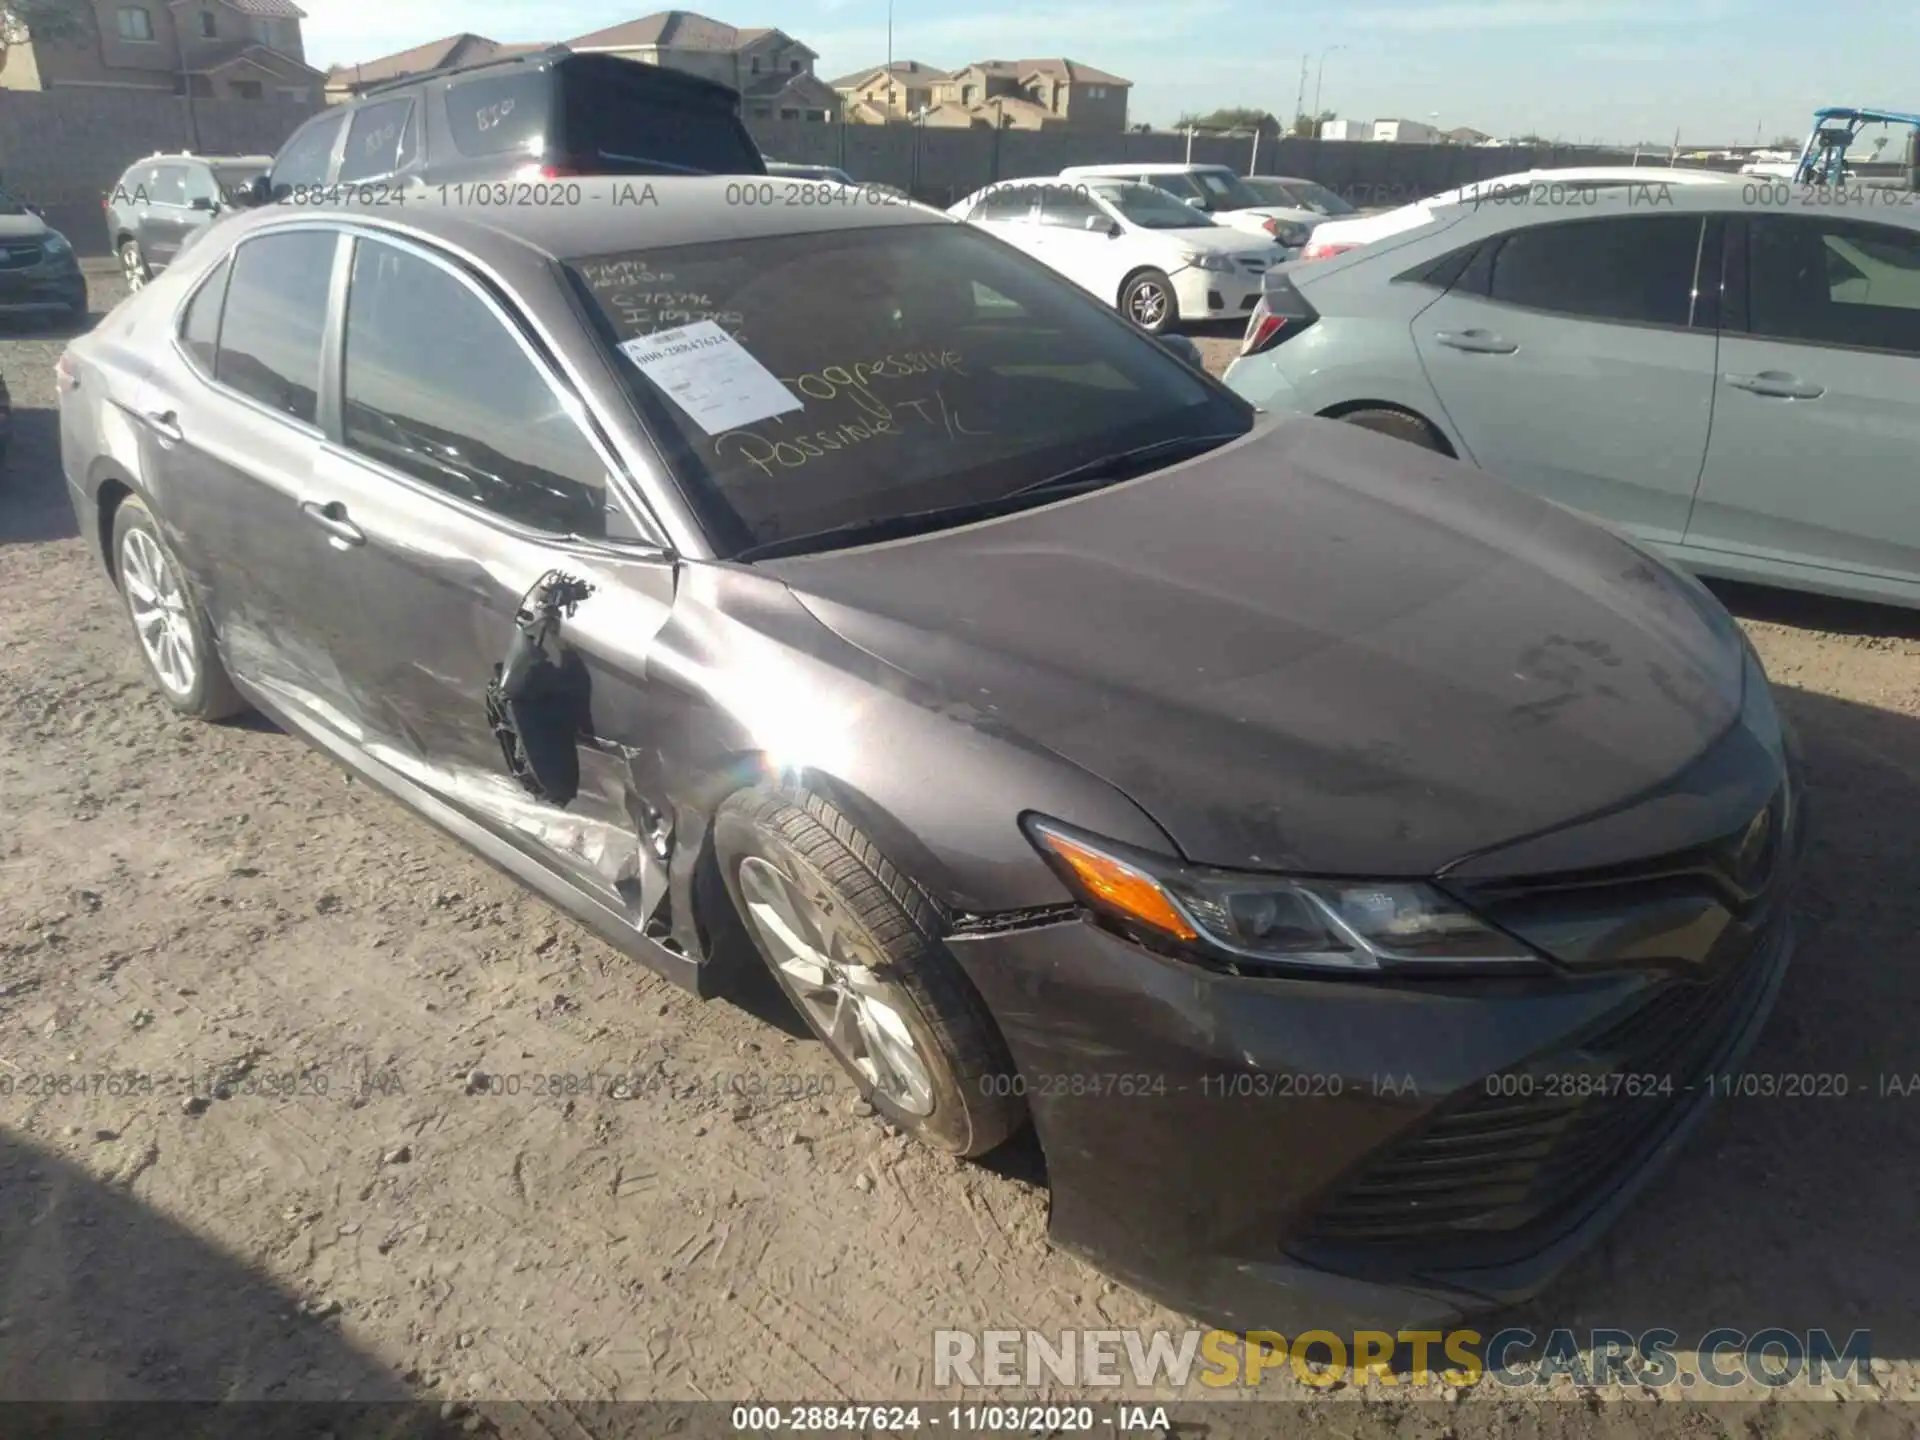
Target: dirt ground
[(380, 1206)]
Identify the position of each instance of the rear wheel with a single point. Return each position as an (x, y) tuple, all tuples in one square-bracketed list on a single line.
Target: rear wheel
[(856, 946), (1397, 423), (174, 638), (133, 264), (1148, 300)]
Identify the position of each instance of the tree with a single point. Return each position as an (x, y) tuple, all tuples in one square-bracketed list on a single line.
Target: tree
[(48, 21), (1234, 118)]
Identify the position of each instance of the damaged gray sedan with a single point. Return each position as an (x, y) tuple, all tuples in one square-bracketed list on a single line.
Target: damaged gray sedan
[(1074, 744)]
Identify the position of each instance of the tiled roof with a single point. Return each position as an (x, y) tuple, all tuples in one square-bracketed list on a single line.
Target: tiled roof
[(1071, 71), (270, 9), (210, 58), (673, 29), (902, 70)]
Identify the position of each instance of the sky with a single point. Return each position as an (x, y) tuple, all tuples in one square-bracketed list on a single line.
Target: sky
[(1716, 71)]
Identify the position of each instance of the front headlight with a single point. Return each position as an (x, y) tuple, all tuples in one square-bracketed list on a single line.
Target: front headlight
[(1205, 260), (1253, 924), (1288, 232), (55, 244)]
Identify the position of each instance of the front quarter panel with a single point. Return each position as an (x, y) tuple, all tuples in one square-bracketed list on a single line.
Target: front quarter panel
[(752, 689)]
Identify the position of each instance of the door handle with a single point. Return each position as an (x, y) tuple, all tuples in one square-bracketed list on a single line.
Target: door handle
[(332, 518), (165, 424), (1476, 342), (1776, 384)]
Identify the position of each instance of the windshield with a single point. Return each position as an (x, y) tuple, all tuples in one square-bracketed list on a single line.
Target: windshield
[(1226, 191), (907, 368), (1319, 198), (233, 180), (1152, 209)]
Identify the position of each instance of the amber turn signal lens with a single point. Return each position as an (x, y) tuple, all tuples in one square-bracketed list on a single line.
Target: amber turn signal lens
[(1118, 886)]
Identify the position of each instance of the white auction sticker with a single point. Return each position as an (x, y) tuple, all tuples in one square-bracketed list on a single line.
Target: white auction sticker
[(711, 376)]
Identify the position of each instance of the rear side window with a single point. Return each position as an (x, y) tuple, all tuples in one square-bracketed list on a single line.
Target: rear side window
[(499, 113), (1012, 204), (1833, 282), (200, 326), (378, 141), (305, 159), (275, 315), (438, 389), (1068, 208), (169, 185), (611, 117), (1638, 269)]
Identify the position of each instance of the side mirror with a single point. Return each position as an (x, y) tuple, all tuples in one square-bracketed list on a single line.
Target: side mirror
[(36, 210), (1185, 350), (202, 203), (257, 191)]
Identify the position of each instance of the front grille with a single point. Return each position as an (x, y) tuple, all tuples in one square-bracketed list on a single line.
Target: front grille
[(1503, 1162), (19, 256), (1534, 1145)]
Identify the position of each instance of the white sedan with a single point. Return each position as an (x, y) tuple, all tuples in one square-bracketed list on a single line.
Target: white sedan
[(1155, 258)]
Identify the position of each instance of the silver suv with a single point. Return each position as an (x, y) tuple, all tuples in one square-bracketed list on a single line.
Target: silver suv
[(163, 200)]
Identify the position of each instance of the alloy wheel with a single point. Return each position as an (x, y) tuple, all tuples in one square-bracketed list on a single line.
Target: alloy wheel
[(133, 266), (1147, 306), (826, 965), (158, 603)]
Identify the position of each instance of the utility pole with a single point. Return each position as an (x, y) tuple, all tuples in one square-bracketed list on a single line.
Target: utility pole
[(1300, 101)]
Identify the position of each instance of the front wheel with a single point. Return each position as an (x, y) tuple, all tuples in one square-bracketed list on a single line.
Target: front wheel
[(1148, 300), (856, 946)]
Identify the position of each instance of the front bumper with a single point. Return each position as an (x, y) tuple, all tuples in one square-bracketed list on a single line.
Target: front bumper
[(42, 290), (1304, 1153), (1217, 294)]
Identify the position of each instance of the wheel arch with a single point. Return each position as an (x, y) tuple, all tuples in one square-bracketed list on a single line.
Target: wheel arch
[(1438, 431)]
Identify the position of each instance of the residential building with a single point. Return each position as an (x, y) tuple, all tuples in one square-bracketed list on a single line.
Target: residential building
[(1045, 94), (1465, 135), (888, 92), (448, 53), (1346, 130), (1405, 132), (772, 71), (217, 49)]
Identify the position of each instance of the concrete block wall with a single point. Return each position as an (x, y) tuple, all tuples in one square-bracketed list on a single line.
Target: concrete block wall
[(63, 149)]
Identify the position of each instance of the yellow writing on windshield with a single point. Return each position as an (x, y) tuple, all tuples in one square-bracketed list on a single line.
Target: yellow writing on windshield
[(792, 451), (855, 380)]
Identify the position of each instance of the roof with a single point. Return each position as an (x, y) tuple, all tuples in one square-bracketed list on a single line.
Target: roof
[(674, 30), (211, 58), (900, 70), (266, 9), (434, 55), (1156, 167), (1059, 67), (765, 87), (691, 209)]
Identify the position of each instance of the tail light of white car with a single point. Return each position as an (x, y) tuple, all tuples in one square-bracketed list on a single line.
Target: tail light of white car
[(1281, 313), (1327, 249)]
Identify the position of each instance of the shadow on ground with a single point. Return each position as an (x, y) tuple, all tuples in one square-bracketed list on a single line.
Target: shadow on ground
[(33, 496), (104, 1302)]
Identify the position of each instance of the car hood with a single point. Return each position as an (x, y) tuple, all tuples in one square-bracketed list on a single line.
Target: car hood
[(21, 227), (1219, 239), (1314, 649)]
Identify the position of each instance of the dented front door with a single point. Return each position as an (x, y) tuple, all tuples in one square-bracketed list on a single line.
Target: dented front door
[(436, 596)]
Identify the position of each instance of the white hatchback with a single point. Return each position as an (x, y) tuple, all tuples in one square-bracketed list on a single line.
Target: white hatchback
[(1154, 257)]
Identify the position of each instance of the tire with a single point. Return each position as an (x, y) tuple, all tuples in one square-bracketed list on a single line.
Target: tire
[(1147, 299), (793, 863), (169, 628), (1399, 424), (133, 264)]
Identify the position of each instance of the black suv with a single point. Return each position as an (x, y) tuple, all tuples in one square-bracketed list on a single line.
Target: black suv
[(542, 116), (163, 200)]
